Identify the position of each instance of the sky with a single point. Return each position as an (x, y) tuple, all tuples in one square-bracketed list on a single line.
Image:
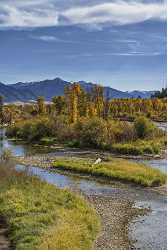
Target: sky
[(116, 43)]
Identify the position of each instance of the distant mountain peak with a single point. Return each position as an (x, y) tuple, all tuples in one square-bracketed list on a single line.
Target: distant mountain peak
[(29, 91)]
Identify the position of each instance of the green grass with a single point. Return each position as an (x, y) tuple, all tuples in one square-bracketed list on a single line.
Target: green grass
[(117, 169), (48, 141), (43, 217), (136, 148), (140, 147)]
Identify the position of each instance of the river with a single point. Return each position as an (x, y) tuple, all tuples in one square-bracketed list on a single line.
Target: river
[(149, 232)]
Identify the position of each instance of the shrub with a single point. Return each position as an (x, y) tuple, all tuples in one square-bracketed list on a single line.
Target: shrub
[(97, 132), (144, 127), (121, 131), (92, 132), (61, 129), (148, 149), (12, 131), (156, 148), (31, 130), (73, 143)]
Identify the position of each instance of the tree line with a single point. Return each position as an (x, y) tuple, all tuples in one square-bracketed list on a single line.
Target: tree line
[(77, 103), (160, 94)]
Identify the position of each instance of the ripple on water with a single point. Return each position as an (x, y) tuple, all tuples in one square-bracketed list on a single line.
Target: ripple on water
[(151, 231)]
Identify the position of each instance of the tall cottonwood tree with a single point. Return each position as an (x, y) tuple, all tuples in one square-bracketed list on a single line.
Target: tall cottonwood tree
[(41, 105), (98, 99), (82, 104), (59, 104), (72, 97)]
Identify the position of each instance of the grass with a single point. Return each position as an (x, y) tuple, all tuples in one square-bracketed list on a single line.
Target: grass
[(43, 217), (117, 169), (48, 141), (141, 147), (136, 148)]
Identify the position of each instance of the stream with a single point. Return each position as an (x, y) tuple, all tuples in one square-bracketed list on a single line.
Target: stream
[(148, 232)]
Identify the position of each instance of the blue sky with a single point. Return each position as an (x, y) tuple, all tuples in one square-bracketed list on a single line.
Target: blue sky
[(122, 44)]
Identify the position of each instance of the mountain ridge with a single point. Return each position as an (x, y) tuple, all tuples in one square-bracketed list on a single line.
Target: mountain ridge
[(29, 91)]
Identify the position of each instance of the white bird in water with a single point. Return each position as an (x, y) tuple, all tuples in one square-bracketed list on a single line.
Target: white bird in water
[(98, 161)]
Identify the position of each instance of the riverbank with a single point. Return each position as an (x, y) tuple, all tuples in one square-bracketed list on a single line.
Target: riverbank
[(42, 216)]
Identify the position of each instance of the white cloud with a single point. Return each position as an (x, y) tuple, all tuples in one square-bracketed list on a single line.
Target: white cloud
[(30, 14), (135, 54), (46, 38), (45, 13), (116, 54), (119, 12)]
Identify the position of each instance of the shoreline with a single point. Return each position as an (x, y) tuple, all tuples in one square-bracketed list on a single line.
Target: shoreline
[(116, 212)]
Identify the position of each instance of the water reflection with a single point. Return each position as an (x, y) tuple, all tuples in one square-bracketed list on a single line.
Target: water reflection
[(85, 185)]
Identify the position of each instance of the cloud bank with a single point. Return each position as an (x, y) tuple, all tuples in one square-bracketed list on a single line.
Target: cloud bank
[(50, 13)]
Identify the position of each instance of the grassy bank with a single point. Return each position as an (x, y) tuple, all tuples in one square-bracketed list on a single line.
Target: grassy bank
[(43, 217), (117, 169), (141, 147)]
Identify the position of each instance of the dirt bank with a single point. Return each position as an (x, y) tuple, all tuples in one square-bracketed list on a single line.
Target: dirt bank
[(4, 239)]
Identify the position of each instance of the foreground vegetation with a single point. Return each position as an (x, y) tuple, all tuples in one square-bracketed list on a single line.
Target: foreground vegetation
[(43, 217), (117, 169)]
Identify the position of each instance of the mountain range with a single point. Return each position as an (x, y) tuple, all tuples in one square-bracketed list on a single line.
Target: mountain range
[(29, 91)]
